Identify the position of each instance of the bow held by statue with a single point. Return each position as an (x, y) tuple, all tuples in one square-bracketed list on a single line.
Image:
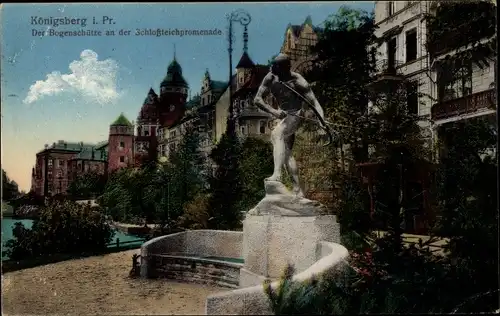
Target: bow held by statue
[(323, 124)]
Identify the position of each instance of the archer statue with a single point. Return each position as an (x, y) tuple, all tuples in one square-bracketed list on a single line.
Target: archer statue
[(291, 91)]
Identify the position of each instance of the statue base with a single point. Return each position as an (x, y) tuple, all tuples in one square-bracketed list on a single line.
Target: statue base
[(280, 201), (271, 242)]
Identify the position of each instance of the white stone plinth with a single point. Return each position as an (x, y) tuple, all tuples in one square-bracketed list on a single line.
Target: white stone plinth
[(271, 242)]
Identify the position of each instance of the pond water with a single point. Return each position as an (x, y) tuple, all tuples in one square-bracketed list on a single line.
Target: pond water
[(8, 225)]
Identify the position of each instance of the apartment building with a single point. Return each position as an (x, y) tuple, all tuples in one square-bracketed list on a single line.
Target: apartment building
[(452, 69), (410, 50)]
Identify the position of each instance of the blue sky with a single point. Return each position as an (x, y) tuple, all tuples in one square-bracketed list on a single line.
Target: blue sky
[(93, 79)]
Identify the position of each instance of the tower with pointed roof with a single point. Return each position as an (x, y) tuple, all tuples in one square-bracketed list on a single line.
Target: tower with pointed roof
[(173, 95), (245, 65), (120, 144), (145, 145)]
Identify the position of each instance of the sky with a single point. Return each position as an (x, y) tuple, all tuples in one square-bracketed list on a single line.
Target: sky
[(71, 88)]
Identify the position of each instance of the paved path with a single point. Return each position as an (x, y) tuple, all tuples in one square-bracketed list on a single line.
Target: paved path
[(98, 286)]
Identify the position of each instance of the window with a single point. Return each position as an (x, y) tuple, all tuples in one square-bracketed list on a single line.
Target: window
[(50, 162), (146, 133), (122, 144), (391, 7), (49, 174), (455, 83), (243, 130), (411, 45), (57, 163), (262, 127), (122, 158), (412, 97)]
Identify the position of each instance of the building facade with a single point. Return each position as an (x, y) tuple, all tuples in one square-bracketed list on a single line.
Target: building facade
[(405, 40), (449, 74), (58, 164), (297, 43)]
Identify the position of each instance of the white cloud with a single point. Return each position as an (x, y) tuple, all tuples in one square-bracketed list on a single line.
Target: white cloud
[(91, 78)]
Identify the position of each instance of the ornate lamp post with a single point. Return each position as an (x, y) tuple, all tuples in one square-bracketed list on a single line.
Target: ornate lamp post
[(244, 19)]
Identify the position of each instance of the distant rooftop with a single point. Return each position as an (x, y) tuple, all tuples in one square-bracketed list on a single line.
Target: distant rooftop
[(91, 154)]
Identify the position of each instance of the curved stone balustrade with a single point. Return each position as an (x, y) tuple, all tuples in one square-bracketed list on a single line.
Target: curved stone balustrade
[(199, 243), (254, 301)]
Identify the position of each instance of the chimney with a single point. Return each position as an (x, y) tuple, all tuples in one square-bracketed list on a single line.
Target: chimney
[(93, 156), (46, 146), (65, 145), (54, 145), (60, 141)]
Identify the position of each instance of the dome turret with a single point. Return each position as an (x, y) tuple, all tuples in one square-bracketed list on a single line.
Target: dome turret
[(174, 76)]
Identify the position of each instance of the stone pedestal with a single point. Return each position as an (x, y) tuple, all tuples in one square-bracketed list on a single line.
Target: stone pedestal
[(270, 242), (280, 201)]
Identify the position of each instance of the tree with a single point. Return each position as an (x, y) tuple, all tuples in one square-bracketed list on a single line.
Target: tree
[(255, 165), (342, 50), (467, 191), (61, 228), (88, 185), (10, 189), (226, 183), (186, 169), (126, 196)]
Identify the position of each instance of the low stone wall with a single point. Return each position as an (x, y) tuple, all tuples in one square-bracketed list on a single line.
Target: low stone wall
[(254, 301), (132, 229), (192, 243), (198, 270)]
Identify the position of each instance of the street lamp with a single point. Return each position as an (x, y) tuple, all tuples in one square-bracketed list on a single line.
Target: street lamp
[(244, 19)]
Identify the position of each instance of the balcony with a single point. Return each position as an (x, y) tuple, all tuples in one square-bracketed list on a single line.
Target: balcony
[(476, 102), (386, 73)]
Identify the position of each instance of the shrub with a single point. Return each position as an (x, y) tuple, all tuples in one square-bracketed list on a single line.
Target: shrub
[(61, 228), (195, 214)]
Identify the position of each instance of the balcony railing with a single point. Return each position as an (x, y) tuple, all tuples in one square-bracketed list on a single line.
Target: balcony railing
[(386, 67), (466, 105)]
